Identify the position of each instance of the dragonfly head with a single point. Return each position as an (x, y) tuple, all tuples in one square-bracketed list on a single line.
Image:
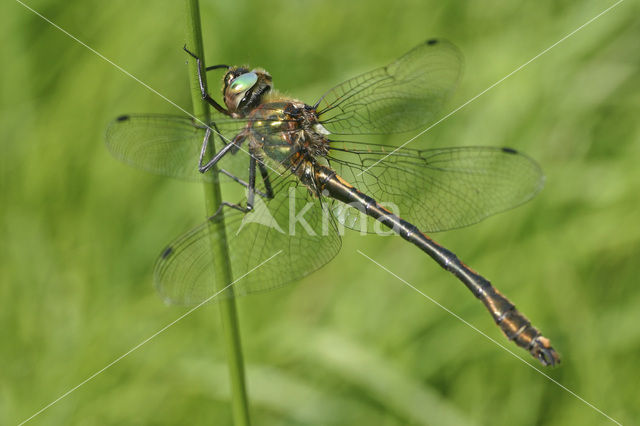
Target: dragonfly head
[(243, 89)]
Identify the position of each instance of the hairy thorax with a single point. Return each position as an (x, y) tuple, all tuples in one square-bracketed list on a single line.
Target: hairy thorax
[(286, 131)]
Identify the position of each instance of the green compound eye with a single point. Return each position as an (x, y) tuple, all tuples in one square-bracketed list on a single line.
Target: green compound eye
[(244, 82)]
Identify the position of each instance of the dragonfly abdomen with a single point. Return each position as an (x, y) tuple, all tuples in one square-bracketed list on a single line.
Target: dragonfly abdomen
[(513, 324)]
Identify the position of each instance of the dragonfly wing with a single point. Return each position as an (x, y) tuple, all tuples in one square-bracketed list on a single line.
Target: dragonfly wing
[(170, 145), (437, 189), (159, 144), (402, 96), (267, 248)]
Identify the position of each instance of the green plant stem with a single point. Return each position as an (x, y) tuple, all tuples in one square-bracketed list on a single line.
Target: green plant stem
[(213, 199)]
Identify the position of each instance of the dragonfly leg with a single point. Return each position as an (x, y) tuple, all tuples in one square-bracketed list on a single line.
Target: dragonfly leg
[(220, 135), (205, 144), (203, 90), (225, 149), (243, 183), (231, 205), (265, 178), (251, 189)]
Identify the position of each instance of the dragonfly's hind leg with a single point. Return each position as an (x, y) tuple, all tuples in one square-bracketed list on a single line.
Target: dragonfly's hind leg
[(203, 90), (268, 194), (231, 205), (265, 178), (243, 183), (251, 186), (251, 190)]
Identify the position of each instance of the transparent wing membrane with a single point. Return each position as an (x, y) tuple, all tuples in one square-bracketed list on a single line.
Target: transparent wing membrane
[(170, 145), (158, 144), (402, 96), (436, 189), (291, 229)]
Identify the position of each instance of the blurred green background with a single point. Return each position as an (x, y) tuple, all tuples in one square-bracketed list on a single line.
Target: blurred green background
[(349, 344)]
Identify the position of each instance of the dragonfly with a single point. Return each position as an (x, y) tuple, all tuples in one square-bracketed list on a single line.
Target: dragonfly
[(308, 174)]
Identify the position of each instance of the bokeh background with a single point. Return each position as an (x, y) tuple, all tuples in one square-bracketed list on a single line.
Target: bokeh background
[(349, 344)]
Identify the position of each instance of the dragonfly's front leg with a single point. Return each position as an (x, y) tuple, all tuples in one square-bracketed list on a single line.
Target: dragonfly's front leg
[(203, 90)]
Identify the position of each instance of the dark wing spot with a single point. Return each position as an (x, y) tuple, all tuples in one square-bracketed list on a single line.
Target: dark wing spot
[(509, 150), (432, 41), (167, 252), (123, 118)]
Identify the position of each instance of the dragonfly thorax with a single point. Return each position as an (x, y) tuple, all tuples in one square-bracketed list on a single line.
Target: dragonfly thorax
[(287, 131)]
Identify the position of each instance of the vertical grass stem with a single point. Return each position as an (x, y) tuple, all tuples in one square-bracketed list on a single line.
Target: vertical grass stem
[(213, 199)]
